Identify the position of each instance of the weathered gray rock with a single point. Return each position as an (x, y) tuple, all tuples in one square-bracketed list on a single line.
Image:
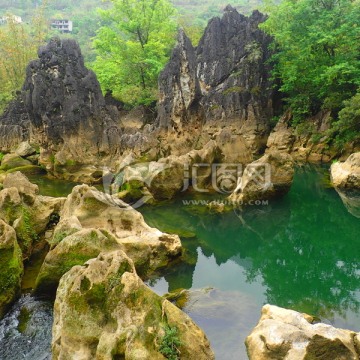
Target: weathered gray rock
[(179, 87), (346, 175), (11, 267), (230, 66), (60, 107), (269, 177), (104, 311), (25, 149), (287, 334)]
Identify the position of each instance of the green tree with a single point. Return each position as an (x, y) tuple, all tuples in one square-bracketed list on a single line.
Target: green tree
[(347, 128), (18, 45), (317, 52), (133, 46)]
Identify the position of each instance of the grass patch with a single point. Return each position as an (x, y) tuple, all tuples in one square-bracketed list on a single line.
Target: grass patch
[(170, 343)]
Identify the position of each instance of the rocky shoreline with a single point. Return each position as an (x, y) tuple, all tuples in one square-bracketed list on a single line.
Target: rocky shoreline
[(215, 109)]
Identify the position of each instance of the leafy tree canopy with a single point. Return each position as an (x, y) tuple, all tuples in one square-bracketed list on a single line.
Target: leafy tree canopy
[(317, 52), (133, 46), (18, 45)]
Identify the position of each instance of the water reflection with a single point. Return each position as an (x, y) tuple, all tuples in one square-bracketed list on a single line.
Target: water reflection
[(300, 252), (351, 200)]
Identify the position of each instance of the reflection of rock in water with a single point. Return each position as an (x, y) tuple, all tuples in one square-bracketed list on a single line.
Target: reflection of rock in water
[(25, 332), (223, 312), (351, 200)]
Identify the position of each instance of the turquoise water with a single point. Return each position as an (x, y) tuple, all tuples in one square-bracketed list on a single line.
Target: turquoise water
[(300, 252)]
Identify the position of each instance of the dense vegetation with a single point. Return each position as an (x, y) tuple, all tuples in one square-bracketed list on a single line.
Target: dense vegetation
[(18, 45), (133, 47), (317, 59), (316, 45)]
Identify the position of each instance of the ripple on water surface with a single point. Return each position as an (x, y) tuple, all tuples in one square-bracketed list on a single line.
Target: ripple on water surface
[(25, 332)]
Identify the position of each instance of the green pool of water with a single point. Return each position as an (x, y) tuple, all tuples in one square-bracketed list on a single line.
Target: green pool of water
[(52, 187), (300, 252)]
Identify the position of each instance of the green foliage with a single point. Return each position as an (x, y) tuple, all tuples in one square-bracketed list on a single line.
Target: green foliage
[(170, 343), (347, 128), (27, 229), (317, 52), (133, 47), (18, 45)]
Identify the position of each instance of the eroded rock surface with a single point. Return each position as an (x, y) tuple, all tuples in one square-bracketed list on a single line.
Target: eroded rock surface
[(308, 141), (169, 176), (346, 175), (60, 108), (286, 335), (225, 79), (269, 177), (25, 210), (103, 310), (92, 222)]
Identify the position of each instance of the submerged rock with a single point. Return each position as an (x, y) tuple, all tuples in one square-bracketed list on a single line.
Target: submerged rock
[(269, 177), (346, 175), (11, 267), (25, 331), (287, 334), (104, 310)]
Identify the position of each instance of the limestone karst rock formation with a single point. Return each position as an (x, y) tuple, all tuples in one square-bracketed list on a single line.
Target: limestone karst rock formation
[(225, 79)]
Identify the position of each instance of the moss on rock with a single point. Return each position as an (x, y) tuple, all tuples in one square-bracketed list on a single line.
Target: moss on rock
[(11, 267)]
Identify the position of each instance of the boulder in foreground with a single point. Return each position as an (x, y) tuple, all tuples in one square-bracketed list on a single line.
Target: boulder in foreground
[(104, 311), (289, 335), (346, 175)]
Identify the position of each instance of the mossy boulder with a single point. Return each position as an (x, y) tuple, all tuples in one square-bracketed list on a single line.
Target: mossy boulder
[(103, 310), (11, 161), (25, 210), (73, 250), (148, 247), (11, 267), (28, 170)]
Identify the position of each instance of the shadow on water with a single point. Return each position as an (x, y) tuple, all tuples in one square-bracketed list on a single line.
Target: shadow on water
[(301, 252)]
